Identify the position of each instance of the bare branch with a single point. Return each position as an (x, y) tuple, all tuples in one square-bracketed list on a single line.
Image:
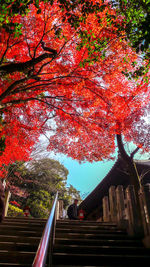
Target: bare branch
[(134, 152)]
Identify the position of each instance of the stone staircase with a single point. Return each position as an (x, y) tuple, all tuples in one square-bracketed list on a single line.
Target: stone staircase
[(76, 244), (96, 244), (19, 240)]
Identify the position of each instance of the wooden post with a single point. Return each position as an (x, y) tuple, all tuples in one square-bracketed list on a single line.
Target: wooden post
[(144, 195), (4, 183), (61, 205), (147, 202), (145, 190), (106, 209), (134, 226), (121, 216), (141, 199), (57, 211), (7, 197), (113, 204)]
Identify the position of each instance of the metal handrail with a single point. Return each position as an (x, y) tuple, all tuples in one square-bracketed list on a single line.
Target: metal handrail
[(46, 243)]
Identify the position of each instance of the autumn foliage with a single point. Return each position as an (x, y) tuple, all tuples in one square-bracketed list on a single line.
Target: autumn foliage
[(67, 80)]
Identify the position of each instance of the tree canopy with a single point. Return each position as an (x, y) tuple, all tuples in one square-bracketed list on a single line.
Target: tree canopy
[(64, 72)]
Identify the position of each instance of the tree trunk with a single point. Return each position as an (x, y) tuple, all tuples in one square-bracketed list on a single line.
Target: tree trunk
[(134, 179), (129, 162)]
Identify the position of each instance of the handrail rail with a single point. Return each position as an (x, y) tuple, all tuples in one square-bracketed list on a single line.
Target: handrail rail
[(47, 238)]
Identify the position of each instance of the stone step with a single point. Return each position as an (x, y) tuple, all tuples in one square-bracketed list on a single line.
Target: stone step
[(24, 219), (92, 242), (99, 265), (20, 257), (75, 226), (21, 239), (92, 231), (111, 250), (100, 260), (21, 232), (18, 246), (26, 223), (77, 222), (92, 236), (14, 264), (21, 227)]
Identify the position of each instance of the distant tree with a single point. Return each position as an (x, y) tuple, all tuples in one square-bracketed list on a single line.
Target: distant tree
[(40, 203), (36, 184), (73, 193)]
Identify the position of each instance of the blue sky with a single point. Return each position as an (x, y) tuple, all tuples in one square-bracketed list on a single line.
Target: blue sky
[(86, 176)]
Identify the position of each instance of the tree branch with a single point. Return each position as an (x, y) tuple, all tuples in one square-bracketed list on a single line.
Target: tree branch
[(23, 66), (10, 88), (134, 152)]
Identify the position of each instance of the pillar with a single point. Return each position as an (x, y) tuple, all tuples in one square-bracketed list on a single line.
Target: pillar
[(121, 215), (113, 204), (106, 209), (7, 197), (134, 226)]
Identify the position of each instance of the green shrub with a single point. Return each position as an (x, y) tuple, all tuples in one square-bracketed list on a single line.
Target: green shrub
[(14, 211), (40, 204)]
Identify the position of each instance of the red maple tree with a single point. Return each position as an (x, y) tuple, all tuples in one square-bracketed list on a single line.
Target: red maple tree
[(54, 79)]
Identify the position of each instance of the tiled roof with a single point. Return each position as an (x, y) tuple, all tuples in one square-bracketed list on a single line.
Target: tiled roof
[(116, 176)]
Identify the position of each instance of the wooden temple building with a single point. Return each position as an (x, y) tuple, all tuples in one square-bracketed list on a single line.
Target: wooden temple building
[(118, 175)]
